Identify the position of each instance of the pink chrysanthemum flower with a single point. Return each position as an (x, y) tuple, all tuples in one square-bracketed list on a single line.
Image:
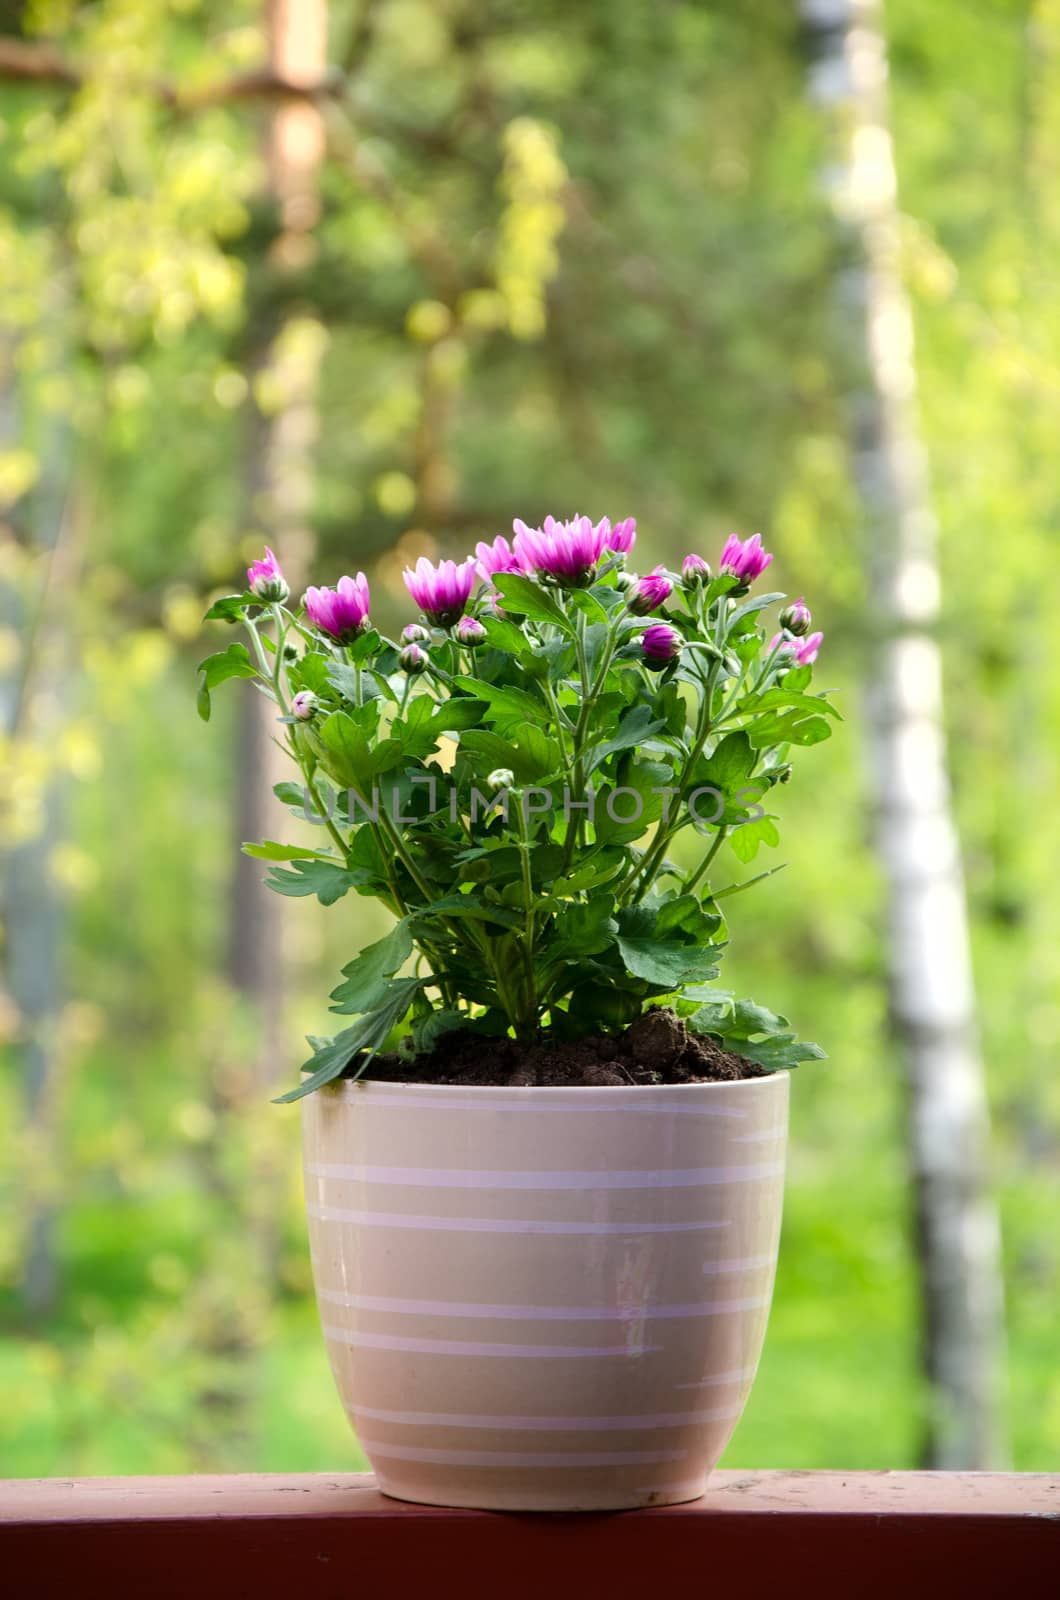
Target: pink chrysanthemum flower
[(497, 557), (565, 551), (341, 612), (806, 651), (745, 558), (441, 591), (802, 652), (622, 537)]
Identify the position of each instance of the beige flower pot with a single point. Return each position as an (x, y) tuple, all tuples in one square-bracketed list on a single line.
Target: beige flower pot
[(545, 1299)]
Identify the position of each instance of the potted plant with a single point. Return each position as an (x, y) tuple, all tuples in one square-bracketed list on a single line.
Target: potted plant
[(544, 1160)]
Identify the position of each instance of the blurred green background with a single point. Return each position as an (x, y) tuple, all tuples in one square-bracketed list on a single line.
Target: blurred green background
[(524, 258)]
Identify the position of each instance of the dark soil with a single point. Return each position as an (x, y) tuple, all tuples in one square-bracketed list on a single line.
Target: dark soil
[(656, 1049)]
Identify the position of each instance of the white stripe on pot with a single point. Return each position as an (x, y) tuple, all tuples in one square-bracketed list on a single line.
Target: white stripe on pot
[(398, 1219), (474, 1347), (717, 1379), (508, 1108), (467, 1178), (517, 1458), (459, 1308), (779, 1132), (717, 1269), (579, 1424)]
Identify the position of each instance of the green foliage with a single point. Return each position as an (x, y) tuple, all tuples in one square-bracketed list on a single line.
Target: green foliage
[(499, 869)]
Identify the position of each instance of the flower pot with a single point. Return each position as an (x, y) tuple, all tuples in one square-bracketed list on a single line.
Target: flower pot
[(542, 1299)]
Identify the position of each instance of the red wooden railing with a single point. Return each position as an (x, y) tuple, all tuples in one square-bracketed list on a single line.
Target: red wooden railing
[(852, 1536)]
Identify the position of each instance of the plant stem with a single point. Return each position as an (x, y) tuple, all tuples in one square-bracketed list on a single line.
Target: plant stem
[(690, 883)]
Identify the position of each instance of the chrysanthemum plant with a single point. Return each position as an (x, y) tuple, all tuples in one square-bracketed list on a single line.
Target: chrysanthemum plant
[(510, 778)]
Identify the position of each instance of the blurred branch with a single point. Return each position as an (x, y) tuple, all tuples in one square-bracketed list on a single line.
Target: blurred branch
[(43, 64)]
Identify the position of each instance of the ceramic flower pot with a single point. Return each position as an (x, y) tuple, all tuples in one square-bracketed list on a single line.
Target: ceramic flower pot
[(545, 1299)]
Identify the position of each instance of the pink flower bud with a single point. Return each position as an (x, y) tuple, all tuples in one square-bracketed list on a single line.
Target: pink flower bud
[(695, 570), (660, 644), (266, 581), (469, 631), (649, 592), (413, 659), (796, 618), (304, 705)]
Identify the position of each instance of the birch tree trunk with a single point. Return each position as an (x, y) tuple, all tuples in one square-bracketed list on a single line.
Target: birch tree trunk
[(932, 1003), (278, 479), (279, 476)]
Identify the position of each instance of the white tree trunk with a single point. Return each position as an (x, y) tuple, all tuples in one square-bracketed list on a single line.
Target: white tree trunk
[(280, 480), (932, 1002)]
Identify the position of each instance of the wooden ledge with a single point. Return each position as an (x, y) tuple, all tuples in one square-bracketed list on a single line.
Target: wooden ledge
[(857, 1535)]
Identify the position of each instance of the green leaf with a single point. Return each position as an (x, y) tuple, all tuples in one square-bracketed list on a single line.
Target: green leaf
[(216, 669), (290, 793), (724, 583), (667, 963), (683, 914), (746, 838), (637, 725), (328, 881), (365, 645), (504, 635), (366, 975), (342, 677), (781, 1051), (413, 731), (231, 607), (594, 871), (469, 905), (455, 714), (508, 709), (367, 1034), (750, 607), (429, 1029), (784, 697), (586, 602), (731, 762), (586, 928), (311, 672), (749, 1018), (526, 598), (269, 850), (347, 753), (787, 727), (231, 663)]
